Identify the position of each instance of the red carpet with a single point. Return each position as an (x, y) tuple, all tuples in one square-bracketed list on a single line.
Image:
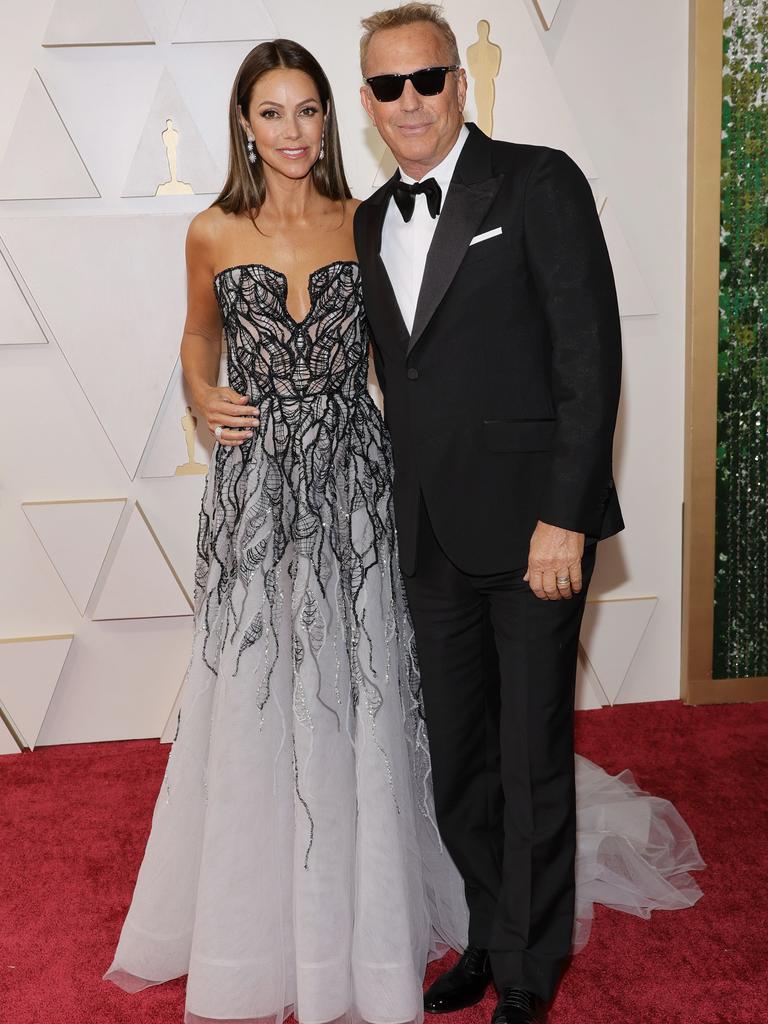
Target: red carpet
[(74, 820)]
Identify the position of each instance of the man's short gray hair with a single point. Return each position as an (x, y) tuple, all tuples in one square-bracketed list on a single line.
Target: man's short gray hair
[(408, 14)]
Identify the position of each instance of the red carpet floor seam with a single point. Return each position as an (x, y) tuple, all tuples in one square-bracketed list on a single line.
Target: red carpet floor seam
[(74, 821)]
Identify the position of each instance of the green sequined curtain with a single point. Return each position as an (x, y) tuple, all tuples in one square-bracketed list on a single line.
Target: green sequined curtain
[(741, 524)]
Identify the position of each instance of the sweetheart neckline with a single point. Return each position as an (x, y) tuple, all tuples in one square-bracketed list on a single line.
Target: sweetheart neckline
[(279, 273)]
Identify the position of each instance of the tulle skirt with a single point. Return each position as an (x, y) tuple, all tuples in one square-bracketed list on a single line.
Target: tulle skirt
[(228, 896), (295, 874), (634, 851)]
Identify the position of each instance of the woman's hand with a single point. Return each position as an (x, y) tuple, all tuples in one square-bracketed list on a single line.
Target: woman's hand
[(225, 408)]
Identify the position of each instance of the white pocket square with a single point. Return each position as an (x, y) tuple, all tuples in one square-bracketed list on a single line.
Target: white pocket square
[(486, 234)]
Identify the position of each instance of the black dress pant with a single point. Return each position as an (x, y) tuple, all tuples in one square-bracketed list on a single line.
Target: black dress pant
[(498, 670)]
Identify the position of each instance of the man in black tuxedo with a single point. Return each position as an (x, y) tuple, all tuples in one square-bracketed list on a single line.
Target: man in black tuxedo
[(497, 345)]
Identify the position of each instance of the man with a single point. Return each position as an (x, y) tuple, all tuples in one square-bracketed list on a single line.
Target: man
[(497, 346)]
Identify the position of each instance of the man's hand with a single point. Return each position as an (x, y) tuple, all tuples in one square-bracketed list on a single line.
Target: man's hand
[(554, 555)]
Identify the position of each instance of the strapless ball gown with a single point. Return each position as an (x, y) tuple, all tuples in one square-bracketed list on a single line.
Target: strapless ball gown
[(294, 864)]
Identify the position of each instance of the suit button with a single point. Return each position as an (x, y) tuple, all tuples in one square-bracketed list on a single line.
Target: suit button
[(413, 373)]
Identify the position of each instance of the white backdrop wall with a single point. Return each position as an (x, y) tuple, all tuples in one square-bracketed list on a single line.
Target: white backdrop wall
[(95, 621)]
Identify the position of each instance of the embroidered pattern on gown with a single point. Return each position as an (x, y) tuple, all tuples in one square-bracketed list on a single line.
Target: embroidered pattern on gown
[(294, 863)]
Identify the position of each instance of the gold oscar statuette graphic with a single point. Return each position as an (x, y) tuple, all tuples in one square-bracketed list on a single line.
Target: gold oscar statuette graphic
[(172, 187), (190, 467), (484, 62)]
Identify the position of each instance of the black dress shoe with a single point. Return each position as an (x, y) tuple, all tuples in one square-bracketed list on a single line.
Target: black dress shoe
[(462, 986), (516, 1006)]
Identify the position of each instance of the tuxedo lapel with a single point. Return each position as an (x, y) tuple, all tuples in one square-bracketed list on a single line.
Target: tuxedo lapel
[(469, 198), (381, 303)]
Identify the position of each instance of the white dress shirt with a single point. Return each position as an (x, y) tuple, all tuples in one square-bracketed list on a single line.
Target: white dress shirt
[(404, 247)]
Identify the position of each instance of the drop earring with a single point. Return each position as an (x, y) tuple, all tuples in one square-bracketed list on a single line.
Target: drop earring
[(252, 155), (322, 146)]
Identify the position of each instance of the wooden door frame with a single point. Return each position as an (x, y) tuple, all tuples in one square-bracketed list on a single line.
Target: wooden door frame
[(702, 303)]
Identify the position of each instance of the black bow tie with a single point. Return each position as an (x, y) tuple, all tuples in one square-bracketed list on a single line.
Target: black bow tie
[(405, 197)]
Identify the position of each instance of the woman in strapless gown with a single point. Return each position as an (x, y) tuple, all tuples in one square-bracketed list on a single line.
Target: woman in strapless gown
[(294, 863)]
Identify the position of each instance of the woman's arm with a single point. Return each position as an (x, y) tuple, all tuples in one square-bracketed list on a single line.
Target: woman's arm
[(201, 342)]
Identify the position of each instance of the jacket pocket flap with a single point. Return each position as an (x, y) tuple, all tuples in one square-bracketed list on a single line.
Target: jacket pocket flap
[(519, 435)]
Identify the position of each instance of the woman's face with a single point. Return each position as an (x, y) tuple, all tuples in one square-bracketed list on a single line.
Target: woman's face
[(286, 119)]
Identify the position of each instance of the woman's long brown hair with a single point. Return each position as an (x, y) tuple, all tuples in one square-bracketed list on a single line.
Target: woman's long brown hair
[(245, 187)]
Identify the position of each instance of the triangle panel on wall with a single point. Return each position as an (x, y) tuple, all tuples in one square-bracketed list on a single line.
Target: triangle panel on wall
[(589, 693), (226, 21), (76, 536), (113, 289), (29, 671), (8, 744), (170, 135), (41, 160), (96, 23), (546, 10), (120, 681), (175, 430), (611, 634), (20, 320), (530, 105), (140, 582), (172, 509)]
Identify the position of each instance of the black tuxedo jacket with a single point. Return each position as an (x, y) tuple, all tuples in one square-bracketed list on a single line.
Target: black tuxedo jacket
[(501, 404)]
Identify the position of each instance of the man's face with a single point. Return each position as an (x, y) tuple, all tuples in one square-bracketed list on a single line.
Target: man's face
[(420, 130)]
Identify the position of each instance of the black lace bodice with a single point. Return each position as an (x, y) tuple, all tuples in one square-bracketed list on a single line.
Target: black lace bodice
[(271, 355)]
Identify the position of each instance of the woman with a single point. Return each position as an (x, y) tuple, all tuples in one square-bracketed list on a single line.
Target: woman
[(294, 862), (287, 858)]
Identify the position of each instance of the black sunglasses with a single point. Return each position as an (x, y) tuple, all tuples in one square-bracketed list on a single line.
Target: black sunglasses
[(426, 82)]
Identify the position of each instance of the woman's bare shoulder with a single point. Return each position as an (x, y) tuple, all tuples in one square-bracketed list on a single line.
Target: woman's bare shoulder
[(210, 234), (209, 225)]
